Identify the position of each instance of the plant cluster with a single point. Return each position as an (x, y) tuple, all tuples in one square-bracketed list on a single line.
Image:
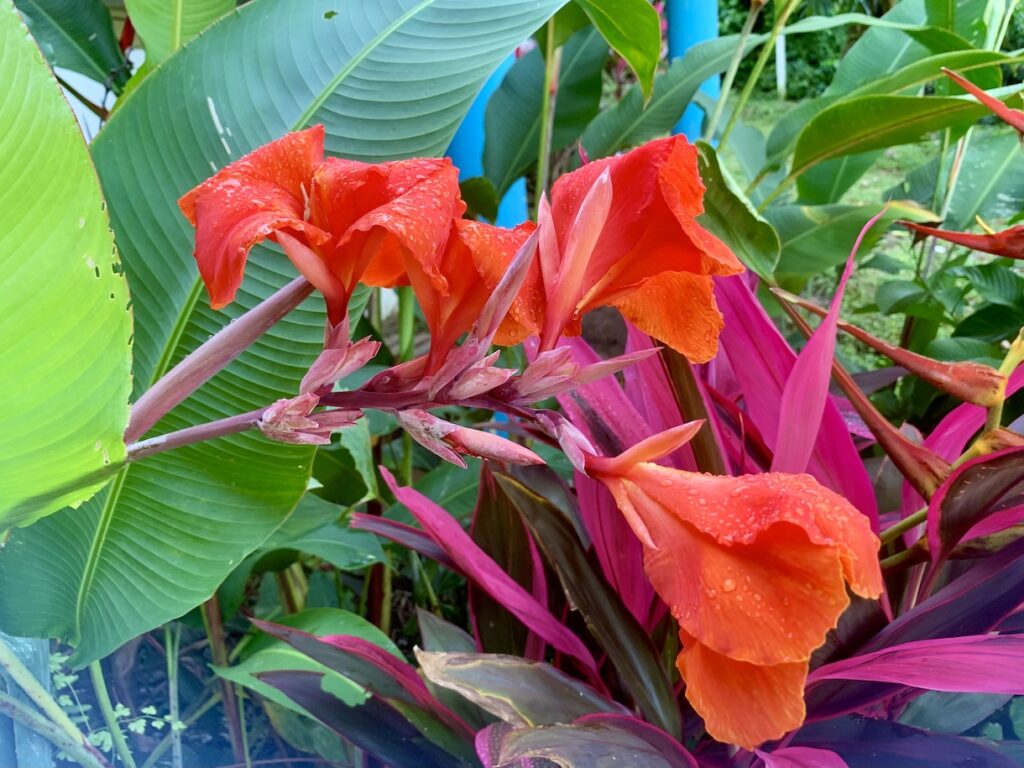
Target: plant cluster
[(304, 445)]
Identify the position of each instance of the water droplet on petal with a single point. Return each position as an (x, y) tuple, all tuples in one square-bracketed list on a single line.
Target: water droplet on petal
[(728, 585)]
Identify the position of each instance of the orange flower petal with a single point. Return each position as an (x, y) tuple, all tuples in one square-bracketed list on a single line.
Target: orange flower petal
[(651, 226), (768, 601), (742, 703), (739, 508), (248, 201), (491, 257), (405, 210), (679, 309)]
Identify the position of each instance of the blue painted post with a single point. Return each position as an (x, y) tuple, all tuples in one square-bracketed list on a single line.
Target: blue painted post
[(467, 150), (691, 22)]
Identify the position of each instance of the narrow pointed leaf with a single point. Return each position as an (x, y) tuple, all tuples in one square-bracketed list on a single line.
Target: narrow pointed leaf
[(762, 361), (972, 664), (621, 636), (375, 726), (801, 757), (974, 490), (472, 561), (806, 391)]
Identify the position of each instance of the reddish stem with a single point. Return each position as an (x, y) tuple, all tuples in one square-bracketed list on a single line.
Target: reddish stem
[(211, 357)]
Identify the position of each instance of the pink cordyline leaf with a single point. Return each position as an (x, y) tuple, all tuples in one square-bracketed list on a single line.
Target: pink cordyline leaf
[(475, 563), (406, 535), (761, 361), (806, 391), (972, 664), (950, 437), (648, 387), (603, 413), (801, 757)]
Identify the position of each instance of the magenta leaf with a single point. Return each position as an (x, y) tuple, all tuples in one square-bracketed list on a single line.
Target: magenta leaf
[(975, 490), (605, 415), (973, 664), (806, 390), (406, 535), (761, 362), (801, 757), (950, 437), (972, 604), (482, 570)]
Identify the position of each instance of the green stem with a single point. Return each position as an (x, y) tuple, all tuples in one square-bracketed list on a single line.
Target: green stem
[(552, 63), (24, 679), (910, 521), (385, 597), (107, 709), (74, 747), (730, 73), (406, 323), (167, 740), (172, 644), (755, 74)]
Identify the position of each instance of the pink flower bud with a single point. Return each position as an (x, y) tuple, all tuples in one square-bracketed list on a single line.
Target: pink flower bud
[(448, 440), (292, 421), (334, 364), (481, 377)]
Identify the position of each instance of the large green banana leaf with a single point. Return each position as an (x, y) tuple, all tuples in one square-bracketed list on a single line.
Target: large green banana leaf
[(388, 79)]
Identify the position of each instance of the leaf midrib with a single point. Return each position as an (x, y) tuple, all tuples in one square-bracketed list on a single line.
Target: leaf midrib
[(71, 40), (99, 539), (839, 150)]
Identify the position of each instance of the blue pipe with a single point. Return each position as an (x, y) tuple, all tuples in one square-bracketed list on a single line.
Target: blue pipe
[(467, 150), (691, 22)]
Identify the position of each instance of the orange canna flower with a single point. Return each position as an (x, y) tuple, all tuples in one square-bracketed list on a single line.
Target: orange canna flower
[(339, 221), (453, 299), (755, 571), (623, 231)]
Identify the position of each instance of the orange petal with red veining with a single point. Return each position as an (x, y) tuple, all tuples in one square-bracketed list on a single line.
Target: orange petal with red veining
[(742, 703), (248, 201)]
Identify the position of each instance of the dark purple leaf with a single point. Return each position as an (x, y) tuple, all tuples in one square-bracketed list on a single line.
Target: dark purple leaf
[(374, 726), (976, 489), (499, 531), (621, 636), (972, 604), (801, 757), (866, 743)]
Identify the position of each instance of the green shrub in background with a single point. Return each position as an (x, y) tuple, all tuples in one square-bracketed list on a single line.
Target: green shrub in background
[(812, 58)]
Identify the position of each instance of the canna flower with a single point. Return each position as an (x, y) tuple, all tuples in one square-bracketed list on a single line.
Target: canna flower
[(1008, 243), (450, 290), (623, 232), (755, 570), (339, 221)]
